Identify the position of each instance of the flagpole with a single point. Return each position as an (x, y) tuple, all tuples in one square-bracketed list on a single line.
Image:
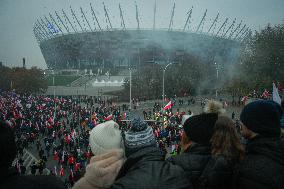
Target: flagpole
[(164, 71)]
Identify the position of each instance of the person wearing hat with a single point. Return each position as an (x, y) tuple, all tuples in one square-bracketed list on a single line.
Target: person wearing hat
[(202, 167), (145, 166), (107, 146), (263, 166)]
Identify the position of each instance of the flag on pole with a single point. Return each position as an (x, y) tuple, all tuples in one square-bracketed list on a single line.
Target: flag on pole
[(61, 172), (275, 94), (265, 94), (168, 106), (108, 118), (244, 99)]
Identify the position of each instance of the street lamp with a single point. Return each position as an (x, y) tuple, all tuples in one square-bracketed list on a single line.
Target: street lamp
[(130, 89), (164, 70), (53, 83), (217, 76)]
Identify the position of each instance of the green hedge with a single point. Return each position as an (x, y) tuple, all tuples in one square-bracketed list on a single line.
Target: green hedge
[(61, 80)]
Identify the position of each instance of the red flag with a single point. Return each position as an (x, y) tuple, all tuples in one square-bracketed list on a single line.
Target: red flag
[(168, 106), (108, 118)]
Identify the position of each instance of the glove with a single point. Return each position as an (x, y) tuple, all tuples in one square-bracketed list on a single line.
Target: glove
[(102, 170)]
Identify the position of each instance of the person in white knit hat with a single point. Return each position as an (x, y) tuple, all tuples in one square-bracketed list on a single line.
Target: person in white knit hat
[(107, 146), (105, 136)]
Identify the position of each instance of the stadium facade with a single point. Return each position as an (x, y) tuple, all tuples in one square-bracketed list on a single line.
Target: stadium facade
[(75, 42)]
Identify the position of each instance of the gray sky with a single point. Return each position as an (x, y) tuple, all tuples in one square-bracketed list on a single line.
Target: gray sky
[(17, 18)]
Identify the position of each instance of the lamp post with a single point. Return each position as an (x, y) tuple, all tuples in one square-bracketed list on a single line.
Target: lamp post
[(53, 83), (217, 76), (130, 83), (164, 71)]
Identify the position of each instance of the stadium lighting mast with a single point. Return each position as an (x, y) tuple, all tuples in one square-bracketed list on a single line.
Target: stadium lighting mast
[(164, 71)]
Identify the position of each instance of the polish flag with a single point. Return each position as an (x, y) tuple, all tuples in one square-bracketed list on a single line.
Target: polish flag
[(168, 106), (244, 99), (265, 94), (108, 118), (61, 172)]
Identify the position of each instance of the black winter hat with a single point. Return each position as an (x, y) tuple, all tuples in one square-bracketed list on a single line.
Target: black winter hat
[(262, 117), (199, 128)]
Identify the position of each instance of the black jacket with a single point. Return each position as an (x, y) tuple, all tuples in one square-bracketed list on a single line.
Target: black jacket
[(203, 170), (263, 166), (146, 169), (11, 180)]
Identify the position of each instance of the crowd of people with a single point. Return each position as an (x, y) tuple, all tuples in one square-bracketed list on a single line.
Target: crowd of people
[(92, 144)]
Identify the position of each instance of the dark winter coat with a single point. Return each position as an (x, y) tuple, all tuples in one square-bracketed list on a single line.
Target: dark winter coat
[(203, 170), (263, 166), (12, 180), (146, 169)]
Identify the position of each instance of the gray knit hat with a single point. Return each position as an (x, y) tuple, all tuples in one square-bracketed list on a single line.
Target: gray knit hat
[(138, 136)]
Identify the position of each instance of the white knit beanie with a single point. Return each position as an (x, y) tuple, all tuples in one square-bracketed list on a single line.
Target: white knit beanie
[(105, 136)]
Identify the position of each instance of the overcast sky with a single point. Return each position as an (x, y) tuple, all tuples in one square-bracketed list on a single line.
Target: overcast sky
[(17, 18)]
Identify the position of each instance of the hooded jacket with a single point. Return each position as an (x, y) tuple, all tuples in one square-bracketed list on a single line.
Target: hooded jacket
[(263, 166), (203, 170), (146, 169)]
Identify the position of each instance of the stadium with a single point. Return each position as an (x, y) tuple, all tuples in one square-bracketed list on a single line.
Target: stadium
[(74, 41)]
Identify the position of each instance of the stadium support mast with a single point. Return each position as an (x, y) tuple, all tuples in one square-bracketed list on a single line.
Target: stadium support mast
[(155, 10), (137, 16), (202, 20), (73, 13), (188, 19), (85, 18), (224, 23), (58, 18), (244, 33), (66, 17), (94, 14), (238, 27), (107, 16), (214, 22), (231, 26), (172, 17), (121, 17), (240, 32), (37, 33), (44, 28), (49, 25), (55, 23), (39, 26)]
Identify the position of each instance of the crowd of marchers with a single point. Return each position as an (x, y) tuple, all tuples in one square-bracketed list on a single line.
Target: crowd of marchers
[(208, 150)]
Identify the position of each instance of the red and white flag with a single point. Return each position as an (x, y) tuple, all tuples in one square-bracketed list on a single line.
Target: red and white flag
[(265, 94), (244, 99), (61, 172), (168, 106), (108, 118)]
